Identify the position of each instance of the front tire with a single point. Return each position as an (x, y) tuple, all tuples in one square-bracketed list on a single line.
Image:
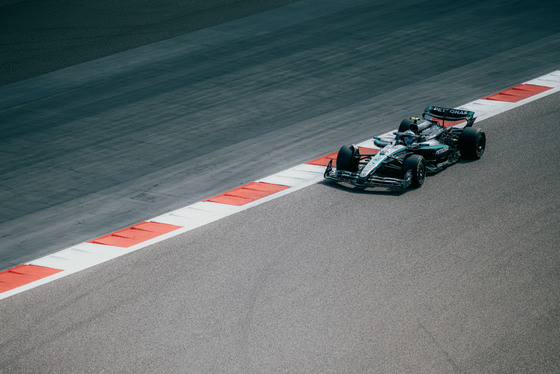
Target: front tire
[(472, 143), (348, 158), (417, 165)]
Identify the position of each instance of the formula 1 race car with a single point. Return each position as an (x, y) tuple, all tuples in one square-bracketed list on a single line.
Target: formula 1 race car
[(421, 146)]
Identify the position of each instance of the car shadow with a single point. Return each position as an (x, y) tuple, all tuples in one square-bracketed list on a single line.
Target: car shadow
[(365, 191)]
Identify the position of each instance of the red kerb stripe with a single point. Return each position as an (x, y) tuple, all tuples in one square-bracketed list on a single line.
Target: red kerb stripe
[(247, 193), (518, 93), (135, 234), (22, 275)]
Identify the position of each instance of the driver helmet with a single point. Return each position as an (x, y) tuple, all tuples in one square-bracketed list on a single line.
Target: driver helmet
[(409, 137)]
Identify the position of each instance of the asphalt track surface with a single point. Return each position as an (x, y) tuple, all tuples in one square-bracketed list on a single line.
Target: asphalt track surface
[(458, 276), (38, 36), (100, 146)]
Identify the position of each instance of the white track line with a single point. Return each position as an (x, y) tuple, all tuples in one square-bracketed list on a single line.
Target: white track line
[(85, 255)]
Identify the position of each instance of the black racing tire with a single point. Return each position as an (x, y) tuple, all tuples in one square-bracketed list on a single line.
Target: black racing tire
[(417, 164), (472, 143), (405, 124), (348, 158)]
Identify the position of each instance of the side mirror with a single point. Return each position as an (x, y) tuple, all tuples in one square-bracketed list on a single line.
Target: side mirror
[(380, 143)]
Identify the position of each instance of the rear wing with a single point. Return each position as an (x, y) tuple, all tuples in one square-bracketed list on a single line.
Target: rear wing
[(449, 114)]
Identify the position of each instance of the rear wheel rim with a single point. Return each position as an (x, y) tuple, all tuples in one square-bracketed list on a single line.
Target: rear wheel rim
[(421, 172), (480, 147)]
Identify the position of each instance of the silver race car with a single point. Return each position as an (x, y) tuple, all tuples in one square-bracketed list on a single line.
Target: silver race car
[(421, 146)]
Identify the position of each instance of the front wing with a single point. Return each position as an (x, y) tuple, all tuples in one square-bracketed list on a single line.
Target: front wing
[(351, 178)]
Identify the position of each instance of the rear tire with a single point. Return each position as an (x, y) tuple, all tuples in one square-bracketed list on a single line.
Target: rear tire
[(417, 164), (348, 158), (405, 124), (472, 143)]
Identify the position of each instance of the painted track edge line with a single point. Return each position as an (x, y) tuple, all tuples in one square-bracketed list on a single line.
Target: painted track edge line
[(294, 178)]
